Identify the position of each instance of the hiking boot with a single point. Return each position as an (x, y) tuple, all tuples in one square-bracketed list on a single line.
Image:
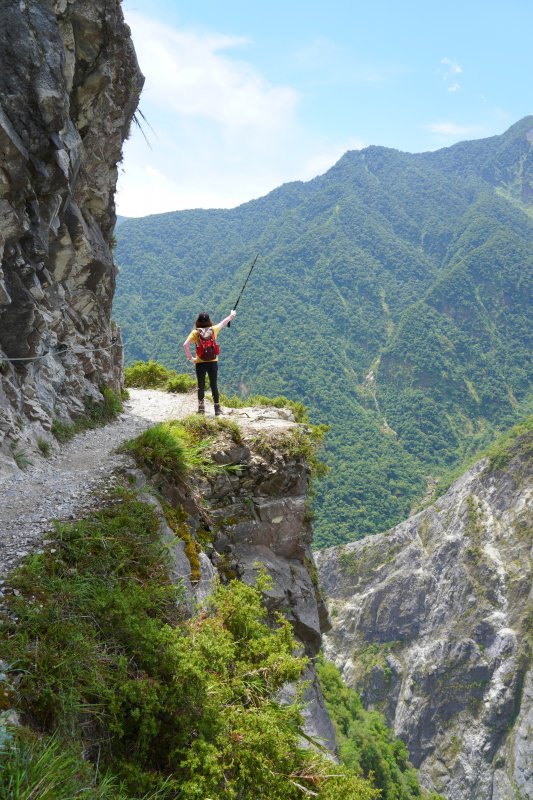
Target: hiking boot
[(201, 407), (218, 410)]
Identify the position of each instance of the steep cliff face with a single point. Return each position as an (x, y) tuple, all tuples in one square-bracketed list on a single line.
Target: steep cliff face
[(69, 84), (252, 516), (432, 623)]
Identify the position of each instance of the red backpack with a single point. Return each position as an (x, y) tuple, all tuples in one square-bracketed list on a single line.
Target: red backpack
[(207, 348)]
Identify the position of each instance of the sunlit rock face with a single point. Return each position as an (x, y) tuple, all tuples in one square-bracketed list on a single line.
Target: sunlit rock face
[(432, 623), (69, 85)]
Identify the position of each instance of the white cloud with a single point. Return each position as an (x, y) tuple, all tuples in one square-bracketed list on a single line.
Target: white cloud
[(222, 133), (190, 74), (451, 70)]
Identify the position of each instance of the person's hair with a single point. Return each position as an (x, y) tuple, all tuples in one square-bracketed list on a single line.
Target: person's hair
[(203, 320)]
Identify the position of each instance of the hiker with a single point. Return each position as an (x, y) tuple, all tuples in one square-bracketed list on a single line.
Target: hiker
[(204, 335)]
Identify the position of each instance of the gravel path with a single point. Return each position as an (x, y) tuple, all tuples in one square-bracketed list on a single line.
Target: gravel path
[(63, 485)]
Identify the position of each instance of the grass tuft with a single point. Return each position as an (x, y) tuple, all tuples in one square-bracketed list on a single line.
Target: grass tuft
[(44, 446), (95, 414), (22, 460), (44, 769), (199, 427), (177, 447)]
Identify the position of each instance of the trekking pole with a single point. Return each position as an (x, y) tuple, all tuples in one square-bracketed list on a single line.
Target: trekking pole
[(244, 286)]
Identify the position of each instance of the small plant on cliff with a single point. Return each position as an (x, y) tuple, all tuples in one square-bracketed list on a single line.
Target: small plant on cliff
[(297, 443), (96, 413), (177, 521), (44, 446), (22, 460), (173, 448)]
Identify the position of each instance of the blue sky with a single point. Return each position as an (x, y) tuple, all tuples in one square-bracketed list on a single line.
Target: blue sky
[(244, 96)]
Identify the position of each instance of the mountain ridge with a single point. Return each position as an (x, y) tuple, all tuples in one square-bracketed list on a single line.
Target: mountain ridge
[(391, 297)]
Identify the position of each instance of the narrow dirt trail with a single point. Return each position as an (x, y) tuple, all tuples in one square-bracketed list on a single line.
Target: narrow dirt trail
[(63, 485)]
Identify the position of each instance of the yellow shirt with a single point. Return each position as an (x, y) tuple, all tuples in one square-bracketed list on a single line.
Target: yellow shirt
[(194, 336)]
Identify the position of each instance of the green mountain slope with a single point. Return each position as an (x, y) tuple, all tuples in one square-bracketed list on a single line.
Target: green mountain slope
[(391, 296)]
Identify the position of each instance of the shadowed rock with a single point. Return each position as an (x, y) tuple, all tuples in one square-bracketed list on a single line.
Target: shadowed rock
[(69, 84)]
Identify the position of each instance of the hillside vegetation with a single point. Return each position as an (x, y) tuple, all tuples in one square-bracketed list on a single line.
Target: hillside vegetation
[(391, 297), (121, 693)]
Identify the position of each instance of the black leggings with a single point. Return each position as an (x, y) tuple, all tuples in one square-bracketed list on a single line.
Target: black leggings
[(210, 368)]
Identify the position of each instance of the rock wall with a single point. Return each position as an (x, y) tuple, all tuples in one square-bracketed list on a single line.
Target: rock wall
[(255, 516), (433, 625), (69, 85)]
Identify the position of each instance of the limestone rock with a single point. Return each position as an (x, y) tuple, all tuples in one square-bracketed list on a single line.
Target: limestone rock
[(61, 132), (432, 625)]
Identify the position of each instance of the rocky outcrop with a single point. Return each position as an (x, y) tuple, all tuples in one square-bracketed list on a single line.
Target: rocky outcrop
[(432, 623), (69, 85), (253, 515)]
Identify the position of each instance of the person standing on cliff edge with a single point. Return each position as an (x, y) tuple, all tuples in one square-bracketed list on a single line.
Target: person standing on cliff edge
[(204, 335)]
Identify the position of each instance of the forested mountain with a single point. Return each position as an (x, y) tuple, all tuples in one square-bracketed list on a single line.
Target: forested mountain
[(391, 296)]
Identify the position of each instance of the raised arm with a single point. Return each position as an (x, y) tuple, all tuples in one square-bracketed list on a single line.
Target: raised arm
[(227, 319)]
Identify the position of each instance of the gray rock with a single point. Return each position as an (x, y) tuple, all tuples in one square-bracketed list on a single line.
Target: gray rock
[(61, 133), (257, 521), (432, 625)]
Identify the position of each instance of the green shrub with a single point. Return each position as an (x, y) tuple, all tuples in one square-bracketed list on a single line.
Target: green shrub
[(147, 375), (366, 745), (44, 446), (173, 709), (518, 440), (181, 384)]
